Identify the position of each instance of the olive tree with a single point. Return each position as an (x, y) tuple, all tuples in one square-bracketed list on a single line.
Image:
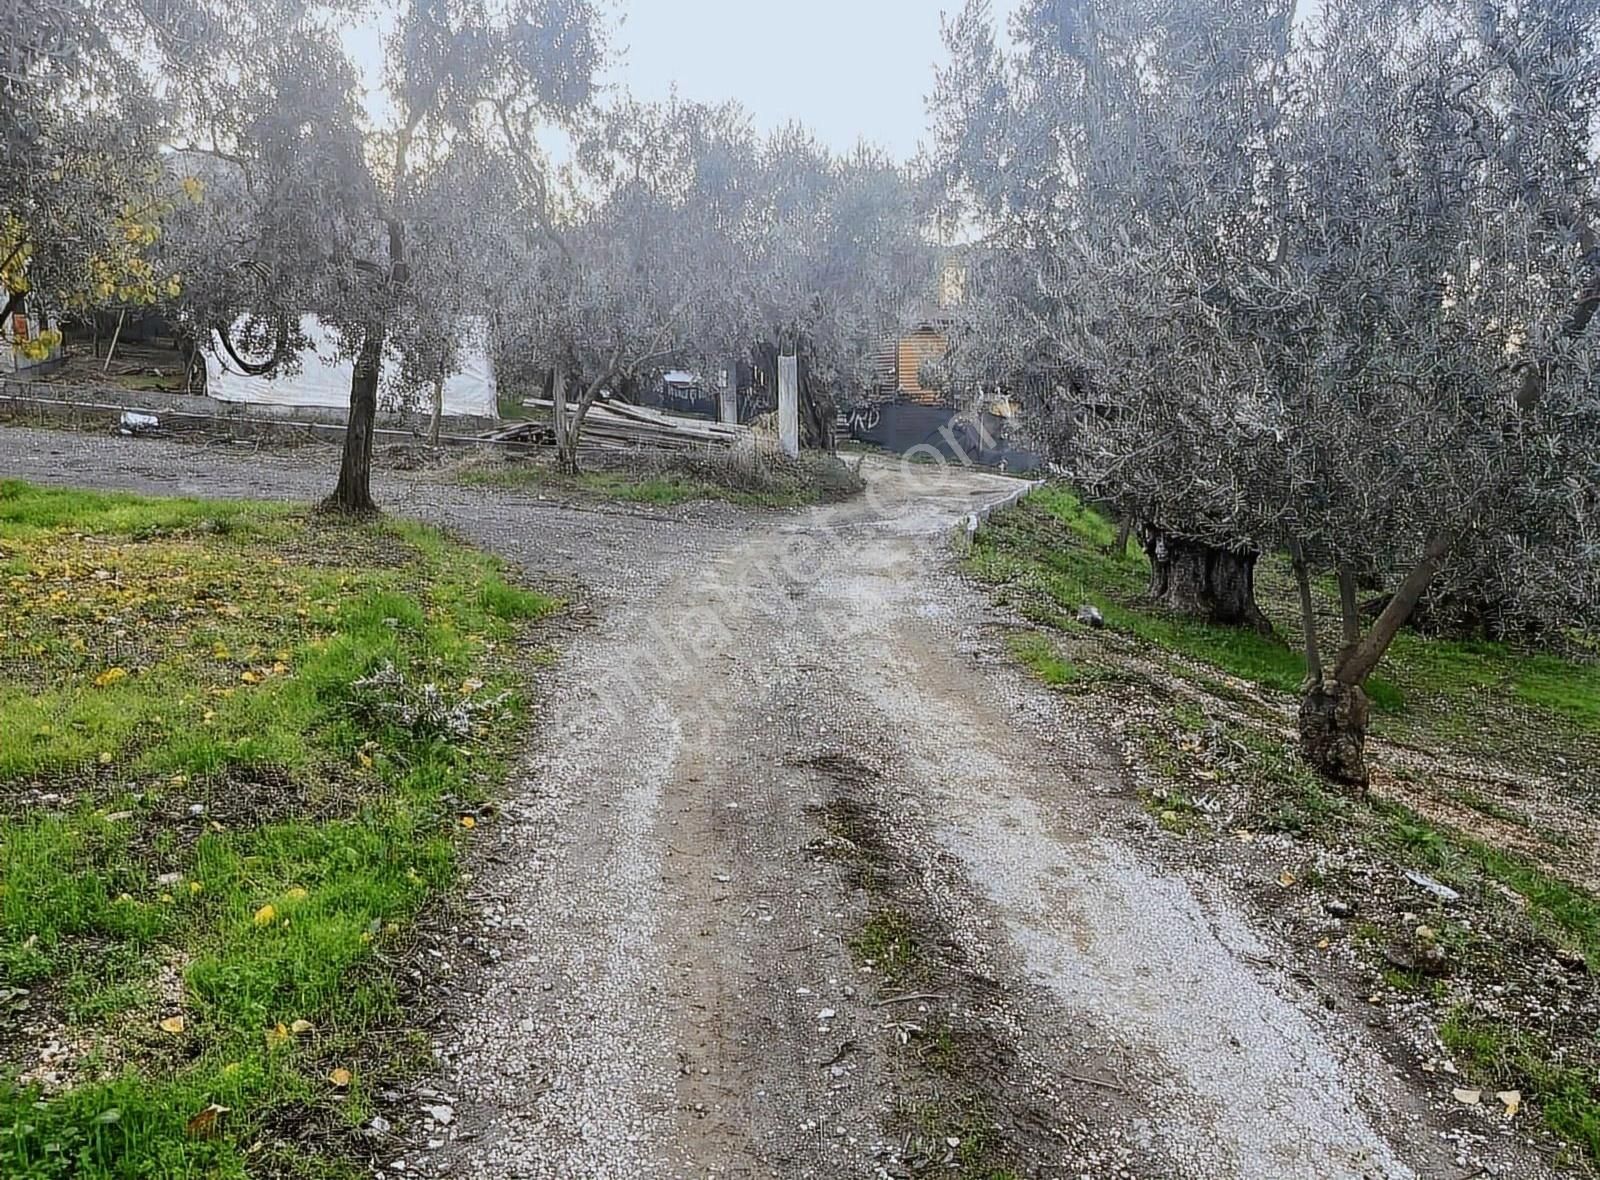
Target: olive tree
[(1324, 286), (635, 256), (333, 210), (1431, 327), (841, 257), (1114, 160), (682, 239)]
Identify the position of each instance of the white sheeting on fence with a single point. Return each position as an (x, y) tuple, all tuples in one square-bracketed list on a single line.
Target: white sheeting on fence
[(322, 378)]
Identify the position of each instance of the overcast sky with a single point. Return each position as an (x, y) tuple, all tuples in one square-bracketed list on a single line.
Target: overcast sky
[(846, 68)]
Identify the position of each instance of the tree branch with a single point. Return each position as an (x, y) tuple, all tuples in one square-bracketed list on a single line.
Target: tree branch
[(1308, 613), (1356, 664), (1348, 610)]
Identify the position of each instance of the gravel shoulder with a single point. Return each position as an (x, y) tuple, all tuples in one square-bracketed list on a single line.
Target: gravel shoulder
[(665, 974)]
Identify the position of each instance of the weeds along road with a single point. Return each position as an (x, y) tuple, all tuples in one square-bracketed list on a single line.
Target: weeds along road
[(800, 878)]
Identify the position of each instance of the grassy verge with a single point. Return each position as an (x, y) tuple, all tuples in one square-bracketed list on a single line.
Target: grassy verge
[(672, 479), (1515, 998), (660, 490), (1503, 1057), (1052, 554), (239, 750)]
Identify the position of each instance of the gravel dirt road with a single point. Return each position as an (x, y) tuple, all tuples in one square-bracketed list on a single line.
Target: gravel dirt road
[(775, 731)]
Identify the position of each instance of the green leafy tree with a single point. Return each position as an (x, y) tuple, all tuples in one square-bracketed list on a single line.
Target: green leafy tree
[(84, 191)]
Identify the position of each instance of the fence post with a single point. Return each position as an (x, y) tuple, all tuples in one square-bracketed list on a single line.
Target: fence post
[(730, 395), (789, 405)]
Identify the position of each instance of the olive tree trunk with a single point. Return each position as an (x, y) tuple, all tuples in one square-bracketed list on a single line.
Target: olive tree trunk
[(1334, 709), (1333, 730), (438, 408), (353, 494), (1217, 585), (570, 415), (566, 444)]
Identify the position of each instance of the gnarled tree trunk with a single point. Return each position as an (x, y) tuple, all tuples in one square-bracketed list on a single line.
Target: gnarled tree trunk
[(353, 495), (1333, 730), (566, 426), (1217, 585)]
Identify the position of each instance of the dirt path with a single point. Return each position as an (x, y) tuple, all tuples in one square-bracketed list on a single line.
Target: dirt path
[(785, 736), (683, 999)]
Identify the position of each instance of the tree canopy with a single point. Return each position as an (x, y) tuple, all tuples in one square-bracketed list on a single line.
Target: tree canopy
[(1321, 282)]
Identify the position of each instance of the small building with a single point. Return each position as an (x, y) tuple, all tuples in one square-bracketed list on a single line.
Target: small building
[(901, 363)]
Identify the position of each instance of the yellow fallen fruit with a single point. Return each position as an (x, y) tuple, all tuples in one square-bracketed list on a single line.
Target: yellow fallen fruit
[(340, 1077), (266, 915), (172, 1024), (277, 1035), (300, 1027), (468, 822), (297, 894), (110, 676)]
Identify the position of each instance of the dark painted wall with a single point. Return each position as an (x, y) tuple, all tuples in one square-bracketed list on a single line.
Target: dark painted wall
[(905, 428)]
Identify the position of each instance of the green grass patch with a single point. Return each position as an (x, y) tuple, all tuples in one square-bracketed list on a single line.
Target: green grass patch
[(1563, 911), (1052, 553), (1457, 670), (888, 943), (933, 1124), (1500, 1057), (227, 792), (1041, 656)]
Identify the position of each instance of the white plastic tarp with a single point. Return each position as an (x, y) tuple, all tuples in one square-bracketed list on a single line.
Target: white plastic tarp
[(322, 378)]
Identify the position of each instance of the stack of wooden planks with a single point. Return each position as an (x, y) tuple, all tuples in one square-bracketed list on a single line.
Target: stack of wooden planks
[(619, 426)]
